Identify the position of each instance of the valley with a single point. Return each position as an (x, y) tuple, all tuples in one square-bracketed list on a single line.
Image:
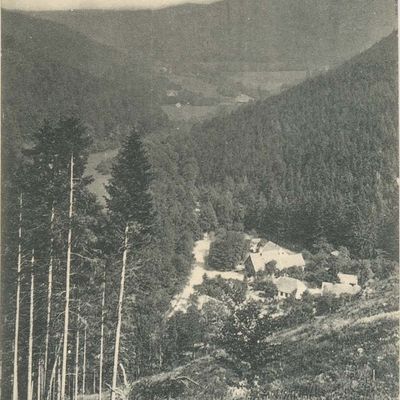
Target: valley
[(248, 247)]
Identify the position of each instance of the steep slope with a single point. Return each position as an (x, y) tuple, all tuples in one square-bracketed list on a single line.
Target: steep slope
[(49, 70), (348, 354), (290, 33), (323, 155)]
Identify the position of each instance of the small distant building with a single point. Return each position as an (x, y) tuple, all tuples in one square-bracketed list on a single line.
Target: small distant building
[(348, 279), (172, 93), (289, 286), (338, 289), (178, 105), (243, 98), (335, 253)]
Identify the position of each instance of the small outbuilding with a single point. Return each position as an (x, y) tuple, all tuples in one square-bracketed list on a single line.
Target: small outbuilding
[(289, 286), (348, 279), (338, 289)]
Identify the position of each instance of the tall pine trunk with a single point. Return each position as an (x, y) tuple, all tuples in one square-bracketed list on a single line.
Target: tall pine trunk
[(84, 360), (30, 340), (16, 333), (39, 379), (76, 376), (52, 380), (59, 384), (49, 294), (67, 284), (119, 321), (103, 301)]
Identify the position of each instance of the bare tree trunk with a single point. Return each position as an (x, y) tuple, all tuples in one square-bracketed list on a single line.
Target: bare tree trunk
[(39, 380), (53, 377), (84, 361), (30, 340), (123, 374), (103, 301), (59, 384), (76, 387), (94, 382), (67, 284), (16, 337), (119, 321), (49, 294), (52, 380)]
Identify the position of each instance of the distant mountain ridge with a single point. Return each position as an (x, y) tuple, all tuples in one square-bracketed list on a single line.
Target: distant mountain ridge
[(49, 70), (286, 33)]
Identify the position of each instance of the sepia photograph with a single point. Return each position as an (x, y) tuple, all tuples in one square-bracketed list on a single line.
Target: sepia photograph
[(199, 200)]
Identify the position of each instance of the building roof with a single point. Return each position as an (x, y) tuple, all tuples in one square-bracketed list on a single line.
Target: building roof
[(286, 284), (258, 261), (339, 288), (290, 260), (283, 260), (348, 279), (271, 246)]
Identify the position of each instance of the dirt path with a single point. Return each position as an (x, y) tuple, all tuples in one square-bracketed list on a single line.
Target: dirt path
[(201, 248)]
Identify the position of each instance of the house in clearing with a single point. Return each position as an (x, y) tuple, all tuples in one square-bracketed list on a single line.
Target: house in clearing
[(289, 286), (348, 279), (256, 262)]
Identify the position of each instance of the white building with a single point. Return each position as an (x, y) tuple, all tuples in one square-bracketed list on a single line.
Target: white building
[(348, 279), (289, 286), (338, 289)]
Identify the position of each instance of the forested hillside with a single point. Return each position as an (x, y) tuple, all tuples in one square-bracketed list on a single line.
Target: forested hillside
[(51, 70), (319, 160), (289, 33)]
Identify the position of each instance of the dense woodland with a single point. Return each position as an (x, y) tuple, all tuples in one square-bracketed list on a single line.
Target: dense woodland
[(319, 160), (313, 166)]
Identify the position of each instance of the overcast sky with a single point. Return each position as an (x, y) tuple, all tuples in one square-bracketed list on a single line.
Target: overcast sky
[(92, 4)]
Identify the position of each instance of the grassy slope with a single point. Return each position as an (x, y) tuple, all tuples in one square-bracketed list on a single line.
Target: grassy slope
[(324, 354)]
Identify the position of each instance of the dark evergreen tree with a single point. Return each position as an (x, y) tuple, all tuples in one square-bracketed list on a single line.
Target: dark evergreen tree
[(129, 199)]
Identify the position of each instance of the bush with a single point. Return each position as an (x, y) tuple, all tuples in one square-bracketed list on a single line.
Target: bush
[(228, 291), (268, 288), (227, 250)]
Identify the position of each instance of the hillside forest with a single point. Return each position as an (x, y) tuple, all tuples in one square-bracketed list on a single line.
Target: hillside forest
[(88, 284)]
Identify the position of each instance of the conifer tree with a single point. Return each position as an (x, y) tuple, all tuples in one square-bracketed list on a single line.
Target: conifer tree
[(130, 209)]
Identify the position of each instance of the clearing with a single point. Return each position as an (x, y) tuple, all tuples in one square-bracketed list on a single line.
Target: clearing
[(181, 301)]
